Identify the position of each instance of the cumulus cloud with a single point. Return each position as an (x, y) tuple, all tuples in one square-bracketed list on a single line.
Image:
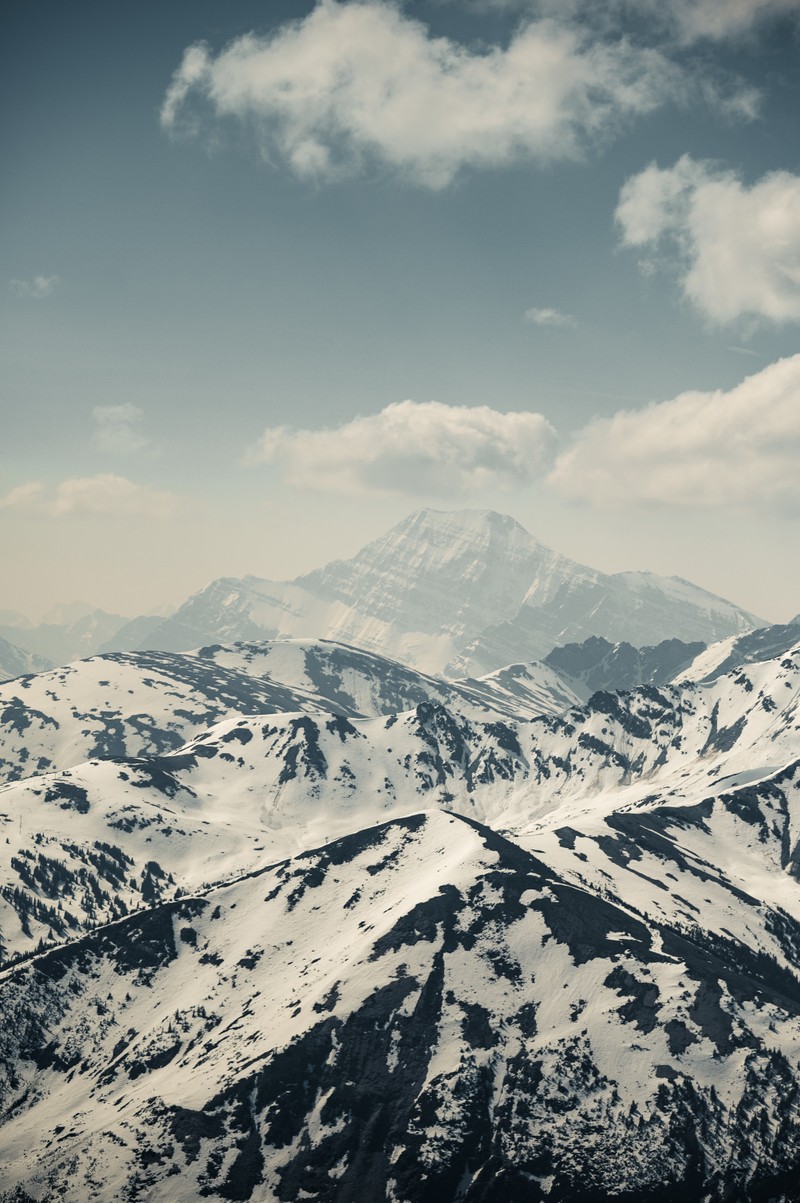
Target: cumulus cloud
[(362, 82), (414, 448), (549, 317), (116, 429), (35, 289), (103, 495), (701, 448), (737, 247)]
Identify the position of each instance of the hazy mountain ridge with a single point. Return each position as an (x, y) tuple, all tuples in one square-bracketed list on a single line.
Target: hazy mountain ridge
[(62, 641), (15, 661), (461, 593)]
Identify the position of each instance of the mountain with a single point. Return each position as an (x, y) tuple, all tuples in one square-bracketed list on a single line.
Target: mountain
[(14, 661), (424, 1010), (62, 641), (441, 954), (462, 593), (739, 650), (264, 786), (149, 703), (597, 664), (13, 618), (359, 683)]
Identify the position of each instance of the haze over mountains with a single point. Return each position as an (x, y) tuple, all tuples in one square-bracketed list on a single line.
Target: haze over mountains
[(283, 917), (455, 593)]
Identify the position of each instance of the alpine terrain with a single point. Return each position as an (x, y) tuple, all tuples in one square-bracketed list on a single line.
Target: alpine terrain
[(459, 594), (291, 916)]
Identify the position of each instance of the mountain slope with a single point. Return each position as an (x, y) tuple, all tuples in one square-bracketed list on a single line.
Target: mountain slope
[(463, 593), (597, 664), (15, 661), (427, 957), (421, 1012), (60, 642), (256, 787), (145, 703)]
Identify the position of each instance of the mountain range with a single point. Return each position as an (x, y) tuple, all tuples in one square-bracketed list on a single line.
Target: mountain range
[(456, 594), (290, 918)]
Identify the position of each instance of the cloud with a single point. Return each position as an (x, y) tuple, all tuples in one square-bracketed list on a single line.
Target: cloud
[(687, 21), (35, 289), (719, 20), (360, 83), (22, 496), (737, 248), (104, 495), (549, 317), (414, 448), (740, 447), (116, 429)]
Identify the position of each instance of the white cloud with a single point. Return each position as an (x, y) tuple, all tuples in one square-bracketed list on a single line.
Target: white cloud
[(104, 495), (740, 447), (360, 82), (414, 448), (35, 289), (549, 317), (116, 429), (22, 496), (738, 247)]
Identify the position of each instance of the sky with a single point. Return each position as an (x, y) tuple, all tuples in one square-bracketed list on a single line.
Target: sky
[(274, 275)]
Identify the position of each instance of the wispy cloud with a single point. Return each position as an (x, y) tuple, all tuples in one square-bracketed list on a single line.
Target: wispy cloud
[(737, 247), (104, 495), (739, 447), (550, 317), (117, 429), (685, 21), (713, 20), (414, 448), (360, 83), (35, 289)]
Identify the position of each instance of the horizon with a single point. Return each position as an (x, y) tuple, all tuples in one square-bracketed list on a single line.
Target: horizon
[(82, 607), (542, 259)]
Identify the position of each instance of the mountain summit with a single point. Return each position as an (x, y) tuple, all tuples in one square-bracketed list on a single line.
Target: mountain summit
[(462, 592)]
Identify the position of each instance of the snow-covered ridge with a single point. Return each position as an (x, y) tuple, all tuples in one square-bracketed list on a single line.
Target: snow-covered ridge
[(526, 953), (499, 1026), (145, 703), (256, 787)]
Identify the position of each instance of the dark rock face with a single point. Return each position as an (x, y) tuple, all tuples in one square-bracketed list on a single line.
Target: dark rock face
[(601, 665)]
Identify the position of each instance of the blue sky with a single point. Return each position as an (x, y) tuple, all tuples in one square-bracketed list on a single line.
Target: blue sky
[(226, 273)]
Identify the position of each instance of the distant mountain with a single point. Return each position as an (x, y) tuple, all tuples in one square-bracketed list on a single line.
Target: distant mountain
[(14, 661), (461, 593), (60, 642), (13, 618), (598, 664)]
